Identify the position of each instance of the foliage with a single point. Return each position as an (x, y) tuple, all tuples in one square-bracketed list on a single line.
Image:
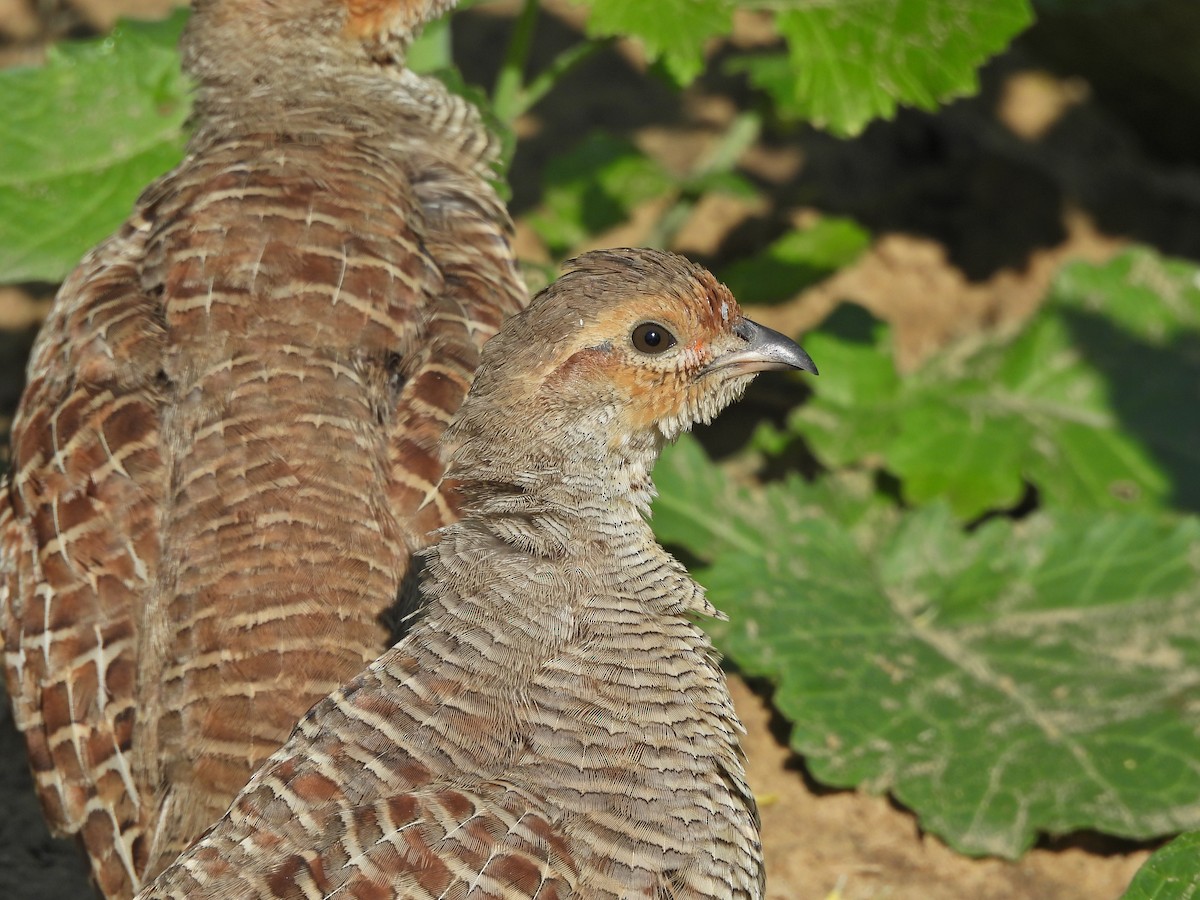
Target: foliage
[(984, 596), (1025, 676), (1053, 406), (849, 63), (673, 31), (898, 644), (598, 185), (844, 64), (126, 103), (795, 261), (593, 188), (1171, 873)]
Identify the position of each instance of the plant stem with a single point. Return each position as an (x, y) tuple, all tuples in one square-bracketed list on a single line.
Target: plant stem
[(563, 63), (507, 98), (662, 233), (742, 132)]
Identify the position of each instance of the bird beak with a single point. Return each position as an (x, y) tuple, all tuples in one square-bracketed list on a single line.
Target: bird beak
[(765, 350)]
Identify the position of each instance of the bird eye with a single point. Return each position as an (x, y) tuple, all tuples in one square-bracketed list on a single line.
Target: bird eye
[(650, 337)]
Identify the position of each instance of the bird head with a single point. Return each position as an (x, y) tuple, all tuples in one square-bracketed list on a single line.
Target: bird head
[(625, 350)]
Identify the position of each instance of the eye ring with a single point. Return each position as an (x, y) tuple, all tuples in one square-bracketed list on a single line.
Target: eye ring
[(652, 338)]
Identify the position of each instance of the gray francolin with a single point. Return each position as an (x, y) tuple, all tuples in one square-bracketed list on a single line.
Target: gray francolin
[(227, 449), (554, 725)]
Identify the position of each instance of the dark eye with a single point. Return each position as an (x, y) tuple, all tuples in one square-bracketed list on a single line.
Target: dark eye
[(650, 337)]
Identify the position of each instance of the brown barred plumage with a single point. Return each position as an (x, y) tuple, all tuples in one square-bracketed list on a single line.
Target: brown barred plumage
[(226, 451), (554, 725)]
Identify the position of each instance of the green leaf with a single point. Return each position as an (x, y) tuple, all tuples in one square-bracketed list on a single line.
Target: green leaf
[(1035, 410), (1153, 298), (848, 63), (691, 487), (1136, 321), (593, 188), (1085, 404), (79, 140), (431, 51), (672, 31), (1172, 873), (855, 414), (796, 261), (1034, 676)]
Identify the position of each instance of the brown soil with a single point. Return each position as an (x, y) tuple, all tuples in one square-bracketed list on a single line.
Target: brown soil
[(974, 209)]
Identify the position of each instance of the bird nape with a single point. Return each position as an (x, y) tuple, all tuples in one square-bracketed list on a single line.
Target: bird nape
[(554, 725)]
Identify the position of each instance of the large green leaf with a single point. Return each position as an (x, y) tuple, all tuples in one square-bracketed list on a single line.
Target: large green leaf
[(690, 488), (848, 63), (1153, 298), (1024, 678), (1173, 873), (673, 31), (1087, 403), (80, 138)]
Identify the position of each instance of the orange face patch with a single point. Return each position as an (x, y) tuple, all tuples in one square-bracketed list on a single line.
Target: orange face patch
[(652, 396), (650, 393), (380, 18)]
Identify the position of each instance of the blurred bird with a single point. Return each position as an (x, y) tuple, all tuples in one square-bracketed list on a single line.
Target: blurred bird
[(555, 724), (226, 452)]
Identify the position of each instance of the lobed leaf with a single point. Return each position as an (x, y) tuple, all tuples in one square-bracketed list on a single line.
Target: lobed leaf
[(1034, 676), (1086, 404), (849, 63), (1135, 320), (690, 487), (80, 138)]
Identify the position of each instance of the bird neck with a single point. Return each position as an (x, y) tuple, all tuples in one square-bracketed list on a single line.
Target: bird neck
[(302, 84), (585, 481), (393, 107), (579, 519)]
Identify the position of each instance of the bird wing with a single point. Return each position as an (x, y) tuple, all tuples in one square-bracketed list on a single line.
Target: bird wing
[(482, 287), (79, 549), (364, 800), (439, 842), (445, 841)]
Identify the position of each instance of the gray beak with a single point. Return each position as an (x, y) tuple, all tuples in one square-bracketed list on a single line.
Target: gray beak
[(765, 350)]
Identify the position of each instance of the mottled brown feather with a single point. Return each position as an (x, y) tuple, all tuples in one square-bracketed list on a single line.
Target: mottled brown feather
[(226, 452)]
